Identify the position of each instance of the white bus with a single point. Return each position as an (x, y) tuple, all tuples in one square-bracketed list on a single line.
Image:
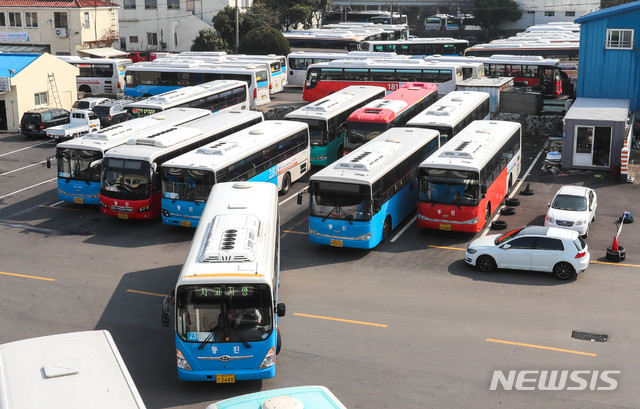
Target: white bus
[(66, 371), (299, 61), (99, 75), (451, 113), (419, 47), (226, 297), (307, 397), (272, 151), (340, 42), (214, 96), (79, 159), (327, 120), (145, 79)]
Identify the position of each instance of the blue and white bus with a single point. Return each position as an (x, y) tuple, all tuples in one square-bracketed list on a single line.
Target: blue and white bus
[(272, 151), (79, 159), (358, 200), (307, 397), (226, 297), (145, 79)]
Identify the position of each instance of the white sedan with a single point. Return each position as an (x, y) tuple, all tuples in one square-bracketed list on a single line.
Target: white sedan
[(559, 251), (573, 207)]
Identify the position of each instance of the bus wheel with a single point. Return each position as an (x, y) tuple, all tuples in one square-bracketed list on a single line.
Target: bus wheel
[(286, 184), (487, 214), (278, 343), (386, 228), (85, 88)]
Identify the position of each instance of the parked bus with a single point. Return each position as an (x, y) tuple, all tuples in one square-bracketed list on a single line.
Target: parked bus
[(99, 75), (451, 113), (307, 397), (327, 120), (298, 62), (465, 181), (389, 31), (78, 160), (359, 199), (130, 185), (418, 46), (145, 79), (329, 77), (214, 96), (340, 42), (272, 151), (66, 371), (533, 71), (395, 109), (226, 297), (442, 22)]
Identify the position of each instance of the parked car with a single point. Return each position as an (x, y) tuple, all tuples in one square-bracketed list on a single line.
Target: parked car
[(36, 121), (81, 122), (573, 207), (138, 56), (89, 103), (551, 249), (112, 112)]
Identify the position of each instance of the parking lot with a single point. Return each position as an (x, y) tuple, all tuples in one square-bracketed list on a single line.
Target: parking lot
[(405, 325)]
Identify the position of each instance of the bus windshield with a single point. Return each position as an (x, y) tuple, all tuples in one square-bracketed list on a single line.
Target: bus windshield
[(341, 201), (362, 132), (125, 179), (75, 164), (317, 131), (187, 184), (224, 312), (446, 186)]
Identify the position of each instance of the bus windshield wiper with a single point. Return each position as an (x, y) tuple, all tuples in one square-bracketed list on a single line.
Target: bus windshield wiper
[(244, 342), (208, 338), (331, 211)]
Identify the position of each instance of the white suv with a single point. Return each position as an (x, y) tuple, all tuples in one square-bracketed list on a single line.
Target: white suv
[(573, 207)]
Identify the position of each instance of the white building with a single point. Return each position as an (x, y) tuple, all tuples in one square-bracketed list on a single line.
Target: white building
[(536, 12)]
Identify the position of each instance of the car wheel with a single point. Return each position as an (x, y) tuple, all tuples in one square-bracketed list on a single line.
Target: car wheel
[(486, 264), (564, 271)]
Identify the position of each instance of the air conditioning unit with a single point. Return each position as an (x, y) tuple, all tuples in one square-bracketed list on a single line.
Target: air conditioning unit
[(61, 32)]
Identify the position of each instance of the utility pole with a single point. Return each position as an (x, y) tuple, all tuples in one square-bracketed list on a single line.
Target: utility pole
[(237, 29)]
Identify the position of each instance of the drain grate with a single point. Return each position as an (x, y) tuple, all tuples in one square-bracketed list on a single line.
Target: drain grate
[(587, 336)]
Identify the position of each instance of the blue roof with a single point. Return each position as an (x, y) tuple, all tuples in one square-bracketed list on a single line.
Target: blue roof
[(623, 8), (15, 62)]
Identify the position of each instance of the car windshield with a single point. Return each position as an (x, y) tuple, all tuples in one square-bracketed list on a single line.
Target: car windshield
[(508, 236), (570, 202)]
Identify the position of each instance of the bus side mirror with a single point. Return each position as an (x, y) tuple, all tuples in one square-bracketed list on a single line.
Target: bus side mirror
[(483, 189), (166, 307), (281, 310), (154, 167), (300, 193), (95, 163), (49, 161)]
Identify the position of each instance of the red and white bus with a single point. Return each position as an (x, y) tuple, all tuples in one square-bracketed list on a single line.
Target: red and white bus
[(394, 110), (328, 77), (465, 181)]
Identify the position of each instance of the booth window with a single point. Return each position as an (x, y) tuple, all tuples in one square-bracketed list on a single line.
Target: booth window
[(620, 39)]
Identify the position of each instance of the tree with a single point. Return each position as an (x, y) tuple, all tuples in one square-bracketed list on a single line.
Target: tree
[(225, 24), (293, 12), (490, 13), (264, 40), (208, 40), (258, 16)]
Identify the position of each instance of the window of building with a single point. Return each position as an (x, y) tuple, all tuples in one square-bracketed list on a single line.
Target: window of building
[(30, 19), (40, 98), (3, 23), (129, 4), (86, 23), (152, 38), (60, 20), (175, 39), (549, 13), (15, 19), (150, 4), (173, 4), (133, 39), (618, 38), (569, 13), (191, 5)]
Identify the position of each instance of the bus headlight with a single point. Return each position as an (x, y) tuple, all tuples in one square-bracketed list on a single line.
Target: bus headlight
[(269, 359), (182, 361), (144, 208), (364, 236), (313, 232), (422, 217)]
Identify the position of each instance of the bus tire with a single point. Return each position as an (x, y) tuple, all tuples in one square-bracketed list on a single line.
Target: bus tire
[(386, 228), (278, 343), (512, 201), (498, 225), (286, 184), (85, 88)]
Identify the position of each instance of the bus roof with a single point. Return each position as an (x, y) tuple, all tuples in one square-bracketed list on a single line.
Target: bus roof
[(227, 150), (185, 94), (248, 208), (90, 60), (336, 103), (66, 371), (371, 161), (193, 66), (474, 146), (118, 134), (449, 109), (307, 397), (388, 108), (425, 40), (387, 63), (496, 59), (356, 55)]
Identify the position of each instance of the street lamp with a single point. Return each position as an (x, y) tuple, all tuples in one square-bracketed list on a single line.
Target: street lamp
[(237, 29)]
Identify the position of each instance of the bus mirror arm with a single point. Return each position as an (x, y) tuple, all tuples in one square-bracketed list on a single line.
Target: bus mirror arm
[(49, 161), (281, 310), (166, 307), (95, 163)]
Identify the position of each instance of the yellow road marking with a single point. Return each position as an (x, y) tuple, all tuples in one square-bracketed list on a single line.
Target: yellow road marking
[(615, 264), (296, 232), (26, 276), (146, 293), (446, 248), (540, 347), (341, 320)]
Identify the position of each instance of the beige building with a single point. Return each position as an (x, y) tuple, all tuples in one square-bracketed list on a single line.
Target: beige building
[(59, 27), (28, 81)]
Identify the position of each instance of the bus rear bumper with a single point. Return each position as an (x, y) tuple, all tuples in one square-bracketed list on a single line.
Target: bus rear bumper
[(240, 375)]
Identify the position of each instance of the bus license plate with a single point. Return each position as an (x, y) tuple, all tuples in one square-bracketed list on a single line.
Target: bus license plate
[(77, 200), (225, 378), (336, 243), (123, 216), (185, 223), (445, 227)]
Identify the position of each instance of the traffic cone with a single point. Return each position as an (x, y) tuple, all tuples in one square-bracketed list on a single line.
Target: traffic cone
[(527, 191), (614, 246)]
